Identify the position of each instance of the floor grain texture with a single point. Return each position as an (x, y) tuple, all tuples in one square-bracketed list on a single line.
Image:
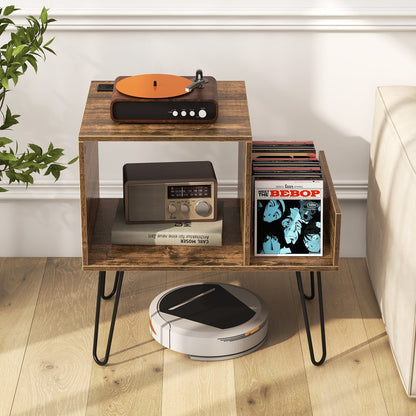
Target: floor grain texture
[(47, 309)]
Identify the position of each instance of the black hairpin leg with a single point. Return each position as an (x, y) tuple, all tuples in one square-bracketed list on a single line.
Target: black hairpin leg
[(305, 315), (118, 281), (312, 295)]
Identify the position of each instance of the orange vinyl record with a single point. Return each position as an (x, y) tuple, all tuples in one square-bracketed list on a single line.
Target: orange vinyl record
[(153, 86)]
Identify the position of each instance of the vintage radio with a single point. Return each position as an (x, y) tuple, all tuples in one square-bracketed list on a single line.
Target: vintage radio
[(169, 191)]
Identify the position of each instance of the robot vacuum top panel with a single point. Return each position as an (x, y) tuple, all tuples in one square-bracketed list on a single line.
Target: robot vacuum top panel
[(209, 321), (208, 304)]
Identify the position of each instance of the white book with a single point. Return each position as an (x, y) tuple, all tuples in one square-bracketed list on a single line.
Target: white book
[(195, 233)]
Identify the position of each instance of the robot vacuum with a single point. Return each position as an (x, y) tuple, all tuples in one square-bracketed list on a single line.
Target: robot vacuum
[(209, 321)]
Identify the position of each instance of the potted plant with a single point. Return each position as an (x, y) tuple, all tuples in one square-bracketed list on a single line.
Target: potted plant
[(25, 46)]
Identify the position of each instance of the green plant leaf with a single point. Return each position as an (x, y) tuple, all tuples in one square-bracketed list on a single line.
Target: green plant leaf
[(8, 53), (11, 175), (8, 157), (4, 141), (9, 120), (37, 149), (73, 160), (50, 50), (5, 83), (9, 10), (55, 170), (49, 42), (3, 26), (44, 16), (15, 78), (18, 49), (56, 152), (32, 60)]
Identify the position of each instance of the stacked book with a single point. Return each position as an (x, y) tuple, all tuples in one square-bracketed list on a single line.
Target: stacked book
[(288, 197)]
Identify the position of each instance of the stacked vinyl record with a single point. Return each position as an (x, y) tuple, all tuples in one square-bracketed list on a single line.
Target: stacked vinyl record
[(288, 197)]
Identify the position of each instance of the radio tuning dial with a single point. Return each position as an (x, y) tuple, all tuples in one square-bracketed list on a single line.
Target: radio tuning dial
[(184, 208), (202, 208), (172, 208), (202, 113)]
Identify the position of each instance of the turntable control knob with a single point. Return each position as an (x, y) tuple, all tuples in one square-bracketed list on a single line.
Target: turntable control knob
[(184, 208), (202, 208), (172, 208), (202, 113)]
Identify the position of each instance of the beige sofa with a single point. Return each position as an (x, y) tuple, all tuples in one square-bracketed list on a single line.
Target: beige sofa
[(391, 222)]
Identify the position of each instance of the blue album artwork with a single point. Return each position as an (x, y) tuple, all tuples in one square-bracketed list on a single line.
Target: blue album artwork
[(288, 227)]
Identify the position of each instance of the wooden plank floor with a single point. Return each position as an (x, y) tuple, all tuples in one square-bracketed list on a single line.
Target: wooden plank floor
[(46, 334)]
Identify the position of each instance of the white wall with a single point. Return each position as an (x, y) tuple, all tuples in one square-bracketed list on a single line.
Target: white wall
[(311, 69)]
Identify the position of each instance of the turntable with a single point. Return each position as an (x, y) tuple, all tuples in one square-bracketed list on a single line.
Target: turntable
[(163, 98)]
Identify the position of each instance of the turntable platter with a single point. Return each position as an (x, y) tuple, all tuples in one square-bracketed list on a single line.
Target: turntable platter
[(153, 86)]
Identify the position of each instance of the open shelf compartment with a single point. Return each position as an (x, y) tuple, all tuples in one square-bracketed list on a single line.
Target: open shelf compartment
[(331, 235), (102, 255)]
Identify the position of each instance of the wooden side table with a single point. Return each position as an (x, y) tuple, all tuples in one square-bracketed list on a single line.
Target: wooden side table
[(236, 253)]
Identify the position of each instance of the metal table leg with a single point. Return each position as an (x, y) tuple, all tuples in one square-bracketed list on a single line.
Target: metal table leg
[(118, 281), (312, 295), (305, 314)]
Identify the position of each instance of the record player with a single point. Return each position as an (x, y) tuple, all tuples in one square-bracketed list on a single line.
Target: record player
[(164, 98)]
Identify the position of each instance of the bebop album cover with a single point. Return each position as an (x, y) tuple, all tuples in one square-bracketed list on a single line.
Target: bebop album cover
[(288, 217)]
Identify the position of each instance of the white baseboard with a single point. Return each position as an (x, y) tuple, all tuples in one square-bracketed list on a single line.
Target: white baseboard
[(69, 190), (51, 213)]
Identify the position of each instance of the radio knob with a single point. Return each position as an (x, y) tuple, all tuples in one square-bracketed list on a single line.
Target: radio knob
[(202, 113), (183, 113), (172, 208), (202, 208), (175, 113), (184, 208)]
